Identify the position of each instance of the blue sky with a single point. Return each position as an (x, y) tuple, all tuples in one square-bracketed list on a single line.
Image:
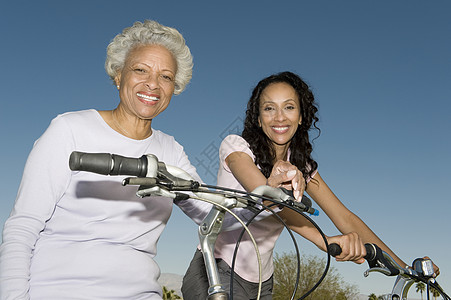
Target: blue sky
[(380, 71)]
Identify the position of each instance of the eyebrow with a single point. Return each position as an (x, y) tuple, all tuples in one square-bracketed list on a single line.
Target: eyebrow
[(272, 101), (150, 67)]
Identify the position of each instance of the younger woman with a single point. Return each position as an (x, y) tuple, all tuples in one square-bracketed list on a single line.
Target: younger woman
[(275, 149)]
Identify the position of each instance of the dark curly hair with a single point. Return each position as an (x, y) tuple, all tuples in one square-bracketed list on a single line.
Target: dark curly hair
[(300, 146)]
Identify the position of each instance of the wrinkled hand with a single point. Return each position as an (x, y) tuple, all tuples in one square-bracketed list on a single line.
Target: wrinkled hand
[(352, 247), (286, 175)]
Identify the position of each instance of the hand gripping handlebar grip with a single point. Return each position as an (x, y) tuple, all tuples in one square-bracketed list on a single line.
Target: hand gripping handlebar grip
[(335, 250), (108, 164)]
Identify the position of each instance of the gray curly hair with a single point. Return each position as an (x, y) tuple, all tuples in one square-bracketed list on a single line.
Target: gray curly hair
[(151, 33)]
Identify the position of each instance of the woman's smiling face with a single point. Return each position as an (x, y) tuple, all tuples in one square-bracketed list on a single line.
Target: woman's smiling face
[(146, 83), (280, 113)]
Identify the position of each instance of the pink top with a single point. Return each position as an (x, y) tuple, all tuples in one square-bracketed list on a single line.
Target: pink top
[(265, 231)]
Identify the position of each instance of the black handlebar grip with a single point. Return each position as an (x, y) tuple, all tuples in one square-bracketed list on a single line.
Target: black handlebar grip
[(100, 163), (334, 250), (108, 164)]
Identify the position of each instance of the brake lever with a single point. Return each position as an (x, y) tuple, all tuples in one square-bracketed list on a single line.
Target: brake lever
[(141, 181), (164, 180), (304, 205), (384, 271), (173, 182), (154, 191), (383, 263)]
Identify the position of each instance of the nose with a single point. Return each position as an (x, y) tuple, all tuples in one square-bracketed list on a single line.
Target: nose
[(152, 81), (280, 115)]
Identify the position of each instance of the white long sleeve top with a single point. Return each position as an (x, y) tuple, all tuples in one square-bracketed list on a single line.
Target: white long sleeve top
[(79, 235)]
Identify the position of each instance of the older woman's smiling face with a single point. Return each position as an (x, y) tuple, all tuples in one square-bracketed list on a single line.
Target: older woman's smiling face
[(146, 83)]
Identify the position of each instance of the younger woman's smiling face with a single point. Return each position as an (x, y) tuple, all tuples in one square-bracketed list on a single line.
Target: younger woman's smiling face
[(280, 113)]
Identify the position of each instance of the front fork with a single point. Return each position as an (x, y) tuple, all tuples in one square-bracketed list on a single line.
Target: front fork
[(401, 288), (208, 233)]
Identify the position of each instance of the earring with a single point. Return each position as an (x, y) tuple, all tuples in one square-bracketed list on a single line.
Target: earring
[(117, 86)]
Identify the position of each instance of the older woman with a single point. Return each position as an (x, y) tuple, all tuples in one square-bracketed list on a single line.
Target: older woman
[(77, 235)]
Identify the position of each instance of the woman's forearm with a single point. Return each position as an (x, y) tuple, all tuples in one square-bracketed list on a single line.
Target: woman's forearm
[(355, 224), (303, 227)]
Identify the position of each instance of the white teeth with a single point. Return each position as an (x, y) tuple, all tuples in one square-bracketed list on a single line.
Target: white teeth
[(148, 97), (280, 128)]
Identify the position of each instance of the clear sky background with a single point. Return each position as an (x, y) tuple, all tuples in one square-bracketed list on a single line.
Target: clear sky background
[(380, 70)]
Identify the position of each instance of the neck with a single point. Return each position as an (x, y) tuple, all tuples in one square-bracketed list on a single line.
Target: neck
[(281, 152), (129, 127)]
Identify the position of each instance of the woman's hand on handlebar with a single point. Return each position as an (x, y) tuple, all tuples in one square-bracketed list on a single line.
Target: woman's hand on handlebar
[(351, 245)]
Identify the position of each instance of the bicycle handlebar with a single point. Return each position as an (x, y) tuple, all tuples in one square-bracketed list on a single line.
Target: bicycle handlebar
[(151, 173), (154, 179), (108, 164), (375, 257)]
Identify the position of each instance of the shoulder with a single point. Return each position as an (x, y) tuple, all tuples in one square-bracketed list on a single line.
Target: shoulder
[(68, 120), (168, 150), (164, 138), (234, 143), (76, 115), (81, 118), (166, 144)]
